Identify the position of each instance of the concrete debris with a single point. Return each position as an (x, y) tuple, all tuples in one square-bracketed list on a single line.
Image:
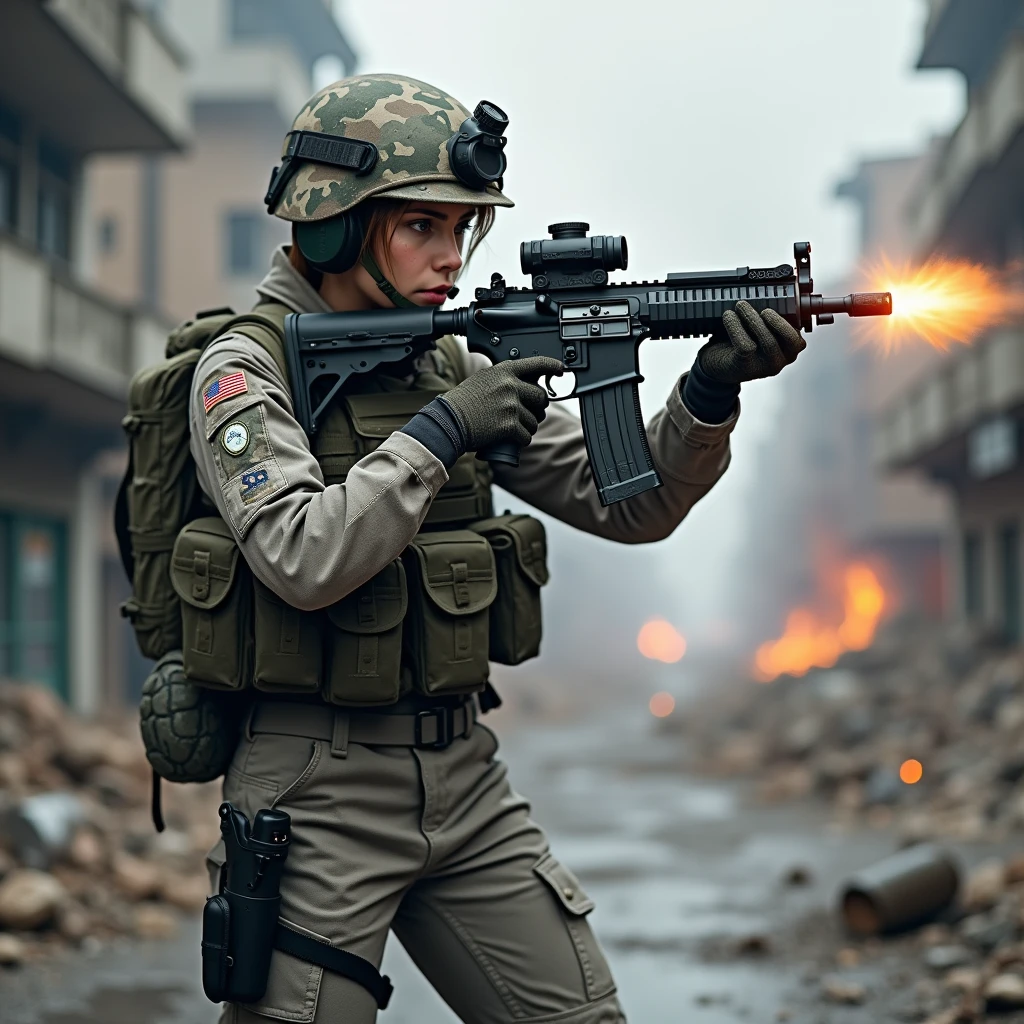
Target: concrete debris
[(29, 899), (1005, 992), (926, 729), (12, 951), (923, 734), (80, 861), (846, 993)]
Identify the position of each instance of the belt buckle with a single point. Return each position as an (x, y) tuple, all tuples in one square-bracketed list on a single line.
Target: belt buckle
[(444, 717)]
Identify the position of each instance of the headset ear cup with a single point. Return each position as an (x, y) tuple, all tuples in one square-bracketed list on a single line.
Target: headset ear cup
[(332, 245)]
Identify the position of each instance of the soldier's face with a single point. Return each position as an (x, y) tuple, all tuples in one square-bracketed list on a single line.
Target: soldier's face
[(425, 253)]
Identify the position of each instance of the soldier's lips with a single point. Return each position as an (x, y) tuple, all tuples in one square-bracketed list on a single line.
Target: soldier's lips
[(434, 296)]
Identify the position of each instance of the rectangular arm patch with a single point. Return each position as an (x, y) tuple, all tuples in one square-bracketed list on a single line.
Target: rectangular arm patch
[(224, 387)]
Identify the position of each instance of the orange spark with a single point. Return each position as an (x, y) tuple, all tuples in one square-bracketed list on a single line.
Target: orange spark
[(942, 301), (661, 641), (662, 705), (809, 643), (911, 771)]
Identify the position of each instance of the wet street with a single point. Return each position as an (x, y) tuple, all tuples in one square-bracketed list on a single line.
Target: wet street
[(689, 878)]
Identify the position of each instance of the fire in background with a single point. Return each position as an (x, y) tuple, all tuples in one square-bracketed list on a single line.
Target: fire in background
[(816, 640)]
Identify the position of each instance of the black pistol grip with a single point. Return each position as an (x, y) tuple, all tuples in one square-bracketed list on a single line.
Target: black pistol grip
[(506, 454), (613, 429)]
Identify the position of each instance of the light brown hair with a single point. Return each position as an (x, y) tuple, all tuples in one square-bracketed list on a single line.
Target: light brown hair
[(385, 215)]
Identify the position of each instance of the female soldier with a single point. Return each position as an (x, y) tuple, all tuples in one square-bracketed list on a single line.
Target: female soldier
[(362, 725)]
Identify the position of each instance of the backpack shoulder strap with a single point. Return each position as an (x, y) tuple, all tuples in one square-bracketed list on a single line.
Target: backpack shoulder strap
[(265, 326)]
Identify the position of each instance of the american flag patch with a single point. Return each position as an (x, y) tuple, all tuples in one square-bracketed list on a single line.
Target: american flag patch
[(225, 387)]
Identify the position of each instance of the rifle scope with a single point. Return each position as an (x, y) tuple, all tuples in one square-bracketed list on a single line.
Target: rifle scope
[(569, 258)]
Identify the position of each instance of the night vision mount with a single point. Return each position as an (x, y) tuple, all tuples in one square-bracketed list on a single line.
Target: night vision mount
[(476, 153)]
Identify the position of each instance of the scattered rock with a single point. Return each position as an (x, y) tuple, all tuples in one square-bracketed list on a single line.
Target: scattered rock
[(984, 885), (79, 860), (137, 879), (86, 850), (944, 958), (963, 979), (986, 931), (29, 899), (1005, 992), (753, 945), (848, 957), (153, 921), (12, 951), (798, 875), (843, 992)]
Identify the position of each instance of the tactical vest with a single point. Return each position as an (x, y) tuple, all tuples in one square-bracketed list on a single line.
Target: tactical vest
[(465, 592)]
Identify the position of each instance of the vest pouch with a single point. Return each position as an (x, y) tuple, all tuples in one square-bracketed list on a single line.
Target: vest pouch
[(376, 416), (520, 555), (365, 641), (452, 583), (289, 648), (215, 587)]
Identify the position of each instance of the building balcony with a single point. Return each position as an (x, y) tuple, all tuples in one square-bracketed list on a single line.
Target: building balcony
[(961, 206), (941, 423), (960, 35), (65, 348), (99, 73)]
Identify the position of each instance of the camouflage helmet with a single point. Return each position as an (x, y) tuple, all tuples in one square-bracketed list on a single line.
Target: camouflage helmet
[(410, 123)]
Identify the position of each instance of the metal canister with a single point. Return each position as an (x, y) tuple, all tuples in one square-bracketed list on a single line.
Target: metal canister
[(903, 891)]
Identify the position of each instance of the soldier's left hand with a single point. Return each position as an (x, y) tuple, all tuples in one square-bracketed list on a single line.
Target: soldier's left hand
[(750, 345)]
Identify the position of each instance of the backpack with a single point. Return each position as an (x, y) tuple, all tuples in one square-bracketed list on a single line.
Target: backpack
[(160, 493)]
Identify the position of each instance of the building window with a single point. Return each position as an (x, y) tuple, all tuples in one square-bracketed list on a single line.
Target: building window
[(973, 554), (243, 242), (33, 601), (1009, 571), (10, 146), (108, 234), (53, 209)]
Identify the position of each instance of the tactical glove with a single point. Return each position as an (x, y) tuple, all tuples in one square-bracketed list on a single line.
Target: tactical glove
[(502, 404), (750, 345)]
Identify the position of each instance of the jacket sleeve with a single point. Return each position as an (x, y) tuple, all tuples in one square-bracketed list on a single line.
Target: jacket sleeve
[(554, 474), (310, 543)]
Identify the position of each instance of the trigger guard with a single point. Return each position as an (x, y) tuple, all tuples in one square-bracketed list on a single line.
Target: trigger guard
[(553, 395)]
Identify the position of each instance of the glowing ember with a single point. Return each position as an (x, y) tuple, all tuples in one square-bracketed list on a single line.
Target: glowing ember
[(661, 641), (911, 771), (808, 643), (942, 302), (662, 705)]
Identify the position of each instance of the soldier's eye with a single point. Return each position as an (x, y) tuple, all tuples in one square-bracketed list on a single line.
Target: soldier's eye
[(420, 225)]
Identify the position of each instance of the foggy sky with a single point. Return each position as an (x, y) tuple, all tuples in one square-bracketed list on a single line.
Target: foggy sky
[(711, 135)]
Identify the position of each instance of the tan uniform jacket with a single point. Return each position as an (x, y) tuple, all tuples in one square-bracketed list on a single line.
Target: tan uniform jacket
[(312, 544)]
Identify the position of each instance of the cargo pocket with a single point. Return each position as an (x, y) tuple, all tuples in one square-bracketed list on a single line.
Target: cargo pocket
[(452, 584), (289, 650), (215, 587), (520, 556), (576, 904), (365, 641)]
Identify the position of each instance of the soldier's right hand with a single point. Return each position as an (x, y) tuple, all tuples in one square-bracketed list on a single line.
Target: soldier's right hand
[(502, 404)]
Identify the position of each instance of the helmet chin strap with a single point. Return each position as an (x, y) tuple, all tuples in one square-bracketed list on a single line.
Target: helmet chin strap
[(370, 265)]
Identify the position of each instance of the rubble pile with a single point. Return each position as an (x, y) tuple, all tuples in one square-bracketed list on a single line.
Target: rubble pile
[(970, 968), (80, 860), (951, 700)]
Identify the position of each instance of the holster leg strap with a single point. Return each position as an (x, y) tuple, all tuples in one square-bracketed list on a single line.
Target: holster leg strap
[(349, 965)]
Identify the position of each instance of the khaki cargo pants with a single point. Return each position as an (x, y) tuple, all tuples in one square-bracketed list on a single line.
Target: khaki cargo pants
[(436, 846)]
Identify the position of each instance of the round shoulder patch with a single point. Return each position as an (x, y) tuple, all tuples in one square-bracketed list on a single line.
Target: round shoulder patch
[(235, 438)]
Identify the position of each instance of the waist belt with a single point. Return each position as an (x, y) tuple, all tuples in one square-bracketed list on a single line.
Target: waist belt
[(431, 729)]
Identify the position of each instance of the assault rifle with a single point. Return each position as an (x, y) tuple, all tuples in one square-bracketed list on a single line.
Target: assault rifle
[(574, 314)]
